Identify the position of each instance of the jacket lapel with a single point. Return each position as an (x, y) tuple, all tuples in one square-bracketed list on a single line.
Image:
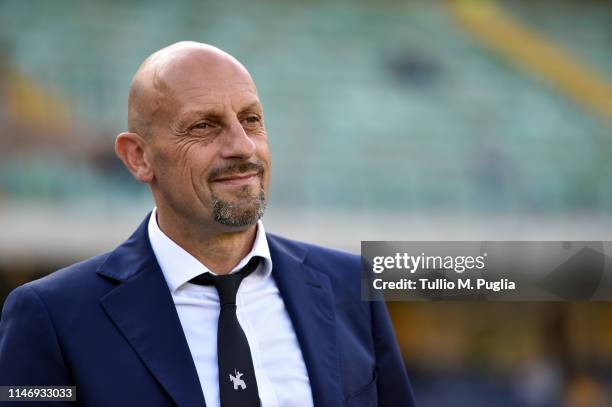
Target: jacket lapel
[(142, 308), (309, 299)]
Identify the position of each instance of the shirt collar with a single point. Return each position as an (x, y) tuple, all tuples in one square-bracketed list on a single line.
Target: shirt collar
[(179, 266)]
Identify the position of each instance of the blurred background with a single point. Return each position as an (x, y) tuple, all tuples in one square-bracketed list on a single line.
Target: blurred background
[(388, 120)]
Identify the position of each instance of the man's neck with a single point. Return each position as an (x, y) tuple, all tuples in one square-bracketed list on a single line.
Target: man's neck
[(220, 252)]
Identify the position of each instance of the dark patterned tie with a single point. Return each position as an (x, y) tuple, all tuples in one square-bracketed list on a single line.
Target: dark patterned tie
[(237, 384)]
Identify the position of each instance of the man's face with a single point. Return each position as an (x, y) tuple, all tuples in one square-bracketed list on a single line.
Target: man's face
[(209, 147)]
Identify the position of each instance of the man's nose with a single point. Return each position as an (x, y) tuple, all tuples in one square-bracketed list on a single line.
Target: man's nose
[(237, 144)]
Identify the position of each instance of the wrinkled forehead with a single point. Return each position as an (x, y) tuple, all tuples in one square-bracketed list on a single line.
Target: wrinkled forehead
[(221, 92)]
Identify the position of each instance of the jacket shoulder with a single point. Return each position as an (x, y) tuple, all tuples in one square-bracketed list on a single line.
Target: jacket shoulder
[(71, 281)]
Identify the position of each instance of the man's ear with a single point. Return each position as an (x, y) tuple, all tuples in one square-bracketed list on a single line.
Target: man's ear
[(130, 148)]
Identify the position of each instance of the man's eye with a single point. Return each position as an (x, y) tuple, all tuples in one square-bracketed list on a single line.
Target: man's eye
[(202, 125), (252, 119)]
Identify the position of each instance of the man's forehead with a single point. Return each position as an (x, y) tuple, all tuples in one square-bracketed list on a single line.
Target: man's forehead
[(191, 88), (236, 95), (204, 85)]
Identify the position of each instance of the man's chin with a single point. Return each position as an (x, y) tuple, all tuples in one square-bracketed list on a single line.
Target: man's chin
[(237, 214)]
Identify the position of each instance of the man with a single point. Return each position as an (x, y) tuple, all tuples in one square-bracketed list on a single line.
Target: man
[(143, 324)]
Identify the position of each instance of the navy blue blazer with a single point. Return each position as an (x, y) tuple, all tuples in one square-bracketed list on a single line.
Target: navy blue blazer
[(108, 326)]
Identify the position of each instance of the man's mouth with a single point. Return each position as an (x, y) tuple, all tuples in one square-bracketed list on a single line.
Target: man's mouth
[(237, 179)]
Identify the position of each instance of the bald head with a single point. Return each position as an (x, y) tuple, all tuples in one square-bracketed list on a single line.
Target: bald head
[(173, 70)]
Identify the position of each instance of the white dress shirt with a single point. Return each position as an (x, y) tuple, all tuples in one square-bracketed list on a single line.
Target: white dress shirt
[(282, 379)]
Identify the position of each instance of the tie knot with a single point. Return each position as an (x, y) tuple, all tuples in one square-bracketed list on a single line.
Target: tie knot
[(227, 285)]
